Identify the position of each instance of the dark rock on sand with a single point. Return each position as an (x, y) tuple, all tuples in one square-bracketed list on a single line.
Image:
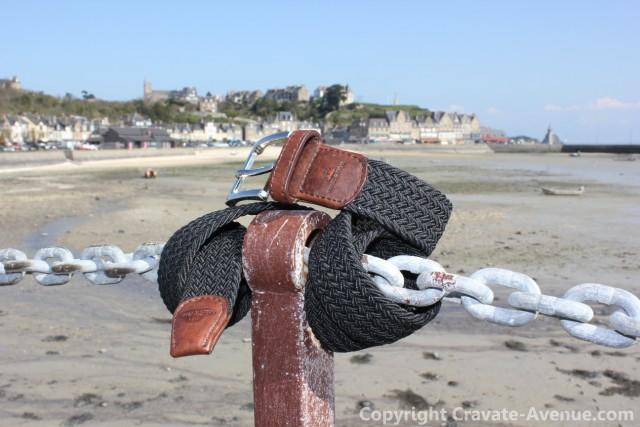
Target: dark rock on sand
[(30, 416), (78, 419), (624, 385), (361, 359), (430, 355), (468, 404), (130, 406), (180, 378), (87, 399), (364, 404), (55, 338), (408, 399), (563, 398), (429, 376), (571, 348), (247, 407), (579, 373), (515, 345)]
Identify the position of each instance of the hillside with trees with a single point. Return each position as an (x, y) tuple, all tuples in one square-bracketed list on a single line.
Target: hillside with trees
[(328, 108)]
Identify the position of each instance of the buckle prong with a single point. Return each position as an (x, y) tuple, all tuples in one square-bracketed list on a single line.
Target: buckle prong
[(243, 173), (236, 194)]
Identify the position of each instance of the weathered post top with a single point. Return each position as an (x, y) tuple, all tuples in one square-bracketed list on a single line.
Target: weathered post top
[(293, 375)]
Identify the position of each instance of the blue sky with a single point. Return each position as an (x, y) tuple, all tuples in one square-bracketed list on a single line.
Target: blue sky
[(518, 65)]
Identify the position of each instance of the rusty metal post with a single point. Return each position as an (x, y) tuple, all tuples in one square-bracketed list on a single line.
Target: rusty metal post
[(292, 374)]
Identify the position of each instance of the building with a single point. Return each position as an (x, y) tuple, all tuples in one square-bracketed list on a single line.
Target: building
[(243, 96), (377, 129), (349, 97), (30, 128), (396, 126), (401, 126), (11, 84), (434, 127), (319, 92), (135, 137), (284, 121), (186, 94), (137, 120), (551, 138), (448, 128), (493, 136), (13, 129), (252, 131), (208, 104), (288, 94), (358, 131), (199, 132), (230, 132)]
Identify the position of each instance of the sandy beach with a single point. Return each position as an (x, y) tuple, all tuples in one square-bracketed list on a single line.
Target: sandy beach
[(89, 355)]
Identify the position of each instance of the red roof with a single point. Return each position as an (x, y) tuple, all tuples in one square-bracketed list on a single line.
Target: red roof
[(495, 138)]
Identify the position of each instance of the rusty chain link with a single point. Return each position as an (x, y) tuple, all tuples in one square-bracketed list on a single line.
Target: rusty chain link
[(108, 264)]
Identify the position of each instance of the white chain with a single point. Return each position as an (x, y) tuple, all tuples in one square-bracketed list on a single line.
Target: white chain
[(101, 265), (108, 264), (434, 283)]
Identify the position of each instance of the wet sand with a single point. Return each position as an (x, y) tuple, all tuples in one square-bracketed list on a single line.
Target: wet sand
[(90, 355)]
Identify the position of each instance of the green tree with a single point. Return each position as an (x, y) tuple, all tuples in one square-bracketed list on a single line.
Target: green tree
[(86, 95), (334, 95)]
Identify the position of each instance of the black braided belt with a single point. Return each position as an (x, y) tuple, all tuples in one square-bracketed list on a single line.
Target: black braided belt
[(384, 212)]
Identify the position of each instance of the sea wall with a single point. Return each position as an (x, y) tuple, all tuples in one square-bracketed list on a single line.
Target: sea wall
[(34, 158), (566, 148), (25, 158), (525, 148), (430, 148), (84, 156), (602, 148)]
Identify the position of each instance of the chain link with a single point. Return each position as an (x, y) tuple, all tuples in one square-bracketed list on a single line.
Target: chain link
[(108, 264), (101, 265), (526, 302)]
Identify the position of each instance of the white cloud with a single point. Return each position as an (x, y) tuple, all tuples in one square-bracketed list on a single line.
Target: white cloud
[(555, 108), (492, 110), (609, 103), (603, 103)]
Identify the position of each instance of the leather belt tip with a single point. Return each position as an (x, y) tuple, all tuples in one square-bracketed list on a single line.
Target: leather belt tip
[(197, 325)]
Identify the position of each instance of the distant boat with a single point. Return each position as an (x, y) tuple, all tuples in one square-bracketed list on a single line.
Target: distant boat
[(550, 191)]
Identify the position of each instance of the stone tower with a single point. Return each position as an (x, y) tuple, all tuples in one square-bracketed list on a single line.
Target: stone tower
[(148, 90)]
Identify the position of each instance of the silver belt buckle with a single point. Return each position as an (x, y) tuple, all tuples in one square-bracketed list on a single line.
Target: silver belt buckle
[(236, 194)]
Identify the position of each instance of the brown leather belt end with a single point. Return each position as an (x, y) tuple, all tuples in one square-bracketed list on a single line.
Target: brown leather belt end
[(197, 325), (312, 171)]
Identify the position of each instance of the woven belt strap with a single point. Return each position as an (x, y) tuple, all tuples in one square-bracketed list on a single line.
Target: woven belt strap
[(384, 212)]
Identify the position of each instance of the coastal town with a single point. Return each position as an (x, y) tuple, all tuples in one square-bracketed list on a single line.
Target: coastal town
[(185, 118), (320, 214)]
